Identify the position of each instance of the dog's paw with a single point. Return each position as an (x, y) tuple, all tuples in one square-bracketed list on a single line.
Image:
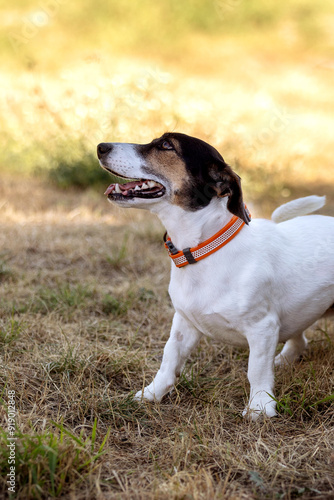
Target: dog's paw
[(145, 394), (155, 391), (287, 358), (282, 360), (150, 393), (258, 406)]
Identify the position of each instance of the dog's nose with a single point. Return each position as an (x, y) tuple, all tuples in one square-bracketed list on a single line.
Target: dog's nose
[(103, 149)]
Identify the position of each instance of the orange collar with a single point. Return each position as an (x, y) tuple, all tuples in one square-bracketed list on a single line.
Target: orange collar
[(192, 255)]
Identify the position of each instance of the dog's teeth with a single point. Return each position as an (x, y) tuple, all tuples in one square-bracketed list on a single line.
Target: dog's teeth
[(117, 189), (144, 186), (151, 184), (137, 188)]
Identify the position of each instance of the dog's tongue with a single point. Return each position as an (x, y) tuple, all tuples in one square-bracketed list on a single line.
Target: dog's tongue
[(129, 185), (123, 187), (110, 189)]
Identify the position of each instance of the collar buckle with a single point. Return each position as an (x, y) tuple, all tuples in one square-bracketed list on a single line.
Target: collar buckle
[(172, 249)]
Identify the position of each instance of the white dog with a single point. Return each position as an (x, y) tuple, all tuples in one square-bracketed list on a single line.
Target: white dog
[(258, 282)]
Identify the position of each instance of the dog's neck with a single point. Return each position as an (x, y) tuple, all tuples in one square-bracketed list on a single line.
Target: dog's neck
[(188, 229)]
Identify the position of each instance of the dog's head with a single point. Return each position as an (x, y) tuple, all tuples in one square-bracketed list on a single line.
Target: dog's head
[(177, 168)]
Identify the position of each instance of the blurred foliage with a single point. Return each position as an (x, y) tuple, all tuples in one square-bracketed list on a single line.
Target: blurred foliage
[(75, 75), (52, 31), (65, 163), (72, 164)]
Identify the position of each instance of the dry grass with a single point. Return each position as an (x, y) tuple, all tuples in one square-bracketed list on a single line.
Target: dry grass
[(84, 310), (84, 317)]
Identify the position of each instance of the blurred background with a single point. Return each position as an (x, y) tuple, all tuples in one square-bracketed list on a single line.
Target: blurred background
[(254, 78)]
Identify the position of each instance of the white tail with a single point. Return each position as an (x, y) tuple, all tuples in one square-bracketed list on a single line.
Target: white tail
[(295, 208)]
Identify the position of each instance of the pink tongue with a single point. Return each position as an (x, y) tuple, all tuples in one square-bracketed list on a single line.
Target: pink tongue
[(129, 185), (110, 189), (123, 187)]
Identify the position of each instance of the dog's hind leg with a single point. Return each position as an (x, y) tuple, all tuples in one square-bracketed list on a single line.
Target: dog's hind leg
[(292, 350), (183, 339)]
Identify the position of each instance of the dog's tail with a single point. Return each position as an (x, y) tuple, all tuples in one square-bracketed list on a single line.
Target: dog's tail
[(295, 208)]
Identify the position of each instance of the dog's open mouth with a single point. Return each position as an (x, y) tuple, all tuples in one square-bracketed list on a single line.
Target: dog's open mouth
[(142, 188)]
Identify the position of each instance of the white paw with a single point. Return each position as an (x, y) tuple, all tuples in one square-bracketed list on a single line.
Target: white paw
[(145, 394), (260, 406), (281, 360), (153, 392), (286, 359)]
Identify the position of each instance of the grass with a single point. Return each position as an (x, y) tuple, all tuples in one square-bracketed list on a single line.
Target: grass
[(5, 271), (10, 330), (84, 309), (50, 460), (87, 340)]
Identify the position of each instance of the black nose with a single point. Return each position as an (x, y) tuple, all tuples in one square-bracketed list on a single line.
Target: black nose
[(103, 149)]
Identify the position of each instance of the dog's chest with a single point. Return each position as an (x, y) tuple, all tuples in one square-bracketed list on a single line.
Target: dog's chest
[(208, 307)]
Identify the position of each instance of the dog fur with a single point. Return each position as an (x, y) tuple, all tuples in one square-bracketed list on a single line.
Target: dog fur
[(267, 285)]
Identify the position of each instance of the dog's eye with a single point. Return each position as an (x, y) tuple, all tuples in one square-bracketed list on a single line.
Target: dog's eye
[(166, 145)]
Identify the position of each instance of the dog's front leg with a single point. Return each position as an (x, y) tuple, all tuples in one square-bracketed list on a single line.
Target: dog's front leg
[(183, 339), (262, 344)]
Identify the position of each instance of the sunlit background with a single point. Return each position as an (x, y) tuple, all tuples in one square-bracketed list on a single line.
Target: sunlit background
[(254, 78)]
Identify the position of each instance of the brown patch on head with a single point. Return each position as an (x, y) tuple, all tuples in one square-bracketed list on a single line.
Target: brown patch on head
[(168, 164), (194, 172)]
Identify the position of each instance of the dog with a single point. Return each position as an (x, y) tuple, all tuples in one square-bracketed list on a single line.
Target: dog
[(255, 282)]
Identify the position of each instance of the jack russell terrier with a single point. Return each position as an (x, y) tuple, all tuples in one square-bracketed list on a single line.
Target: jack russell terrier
[(256, 282)]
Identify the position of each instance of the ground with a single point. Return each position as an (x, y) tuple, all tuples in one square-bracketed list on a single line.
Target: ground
[(84, 318)]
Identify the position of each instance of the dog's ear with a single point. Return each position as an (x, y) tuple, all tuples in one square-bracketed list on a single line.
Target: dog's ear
[(228, 183)]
